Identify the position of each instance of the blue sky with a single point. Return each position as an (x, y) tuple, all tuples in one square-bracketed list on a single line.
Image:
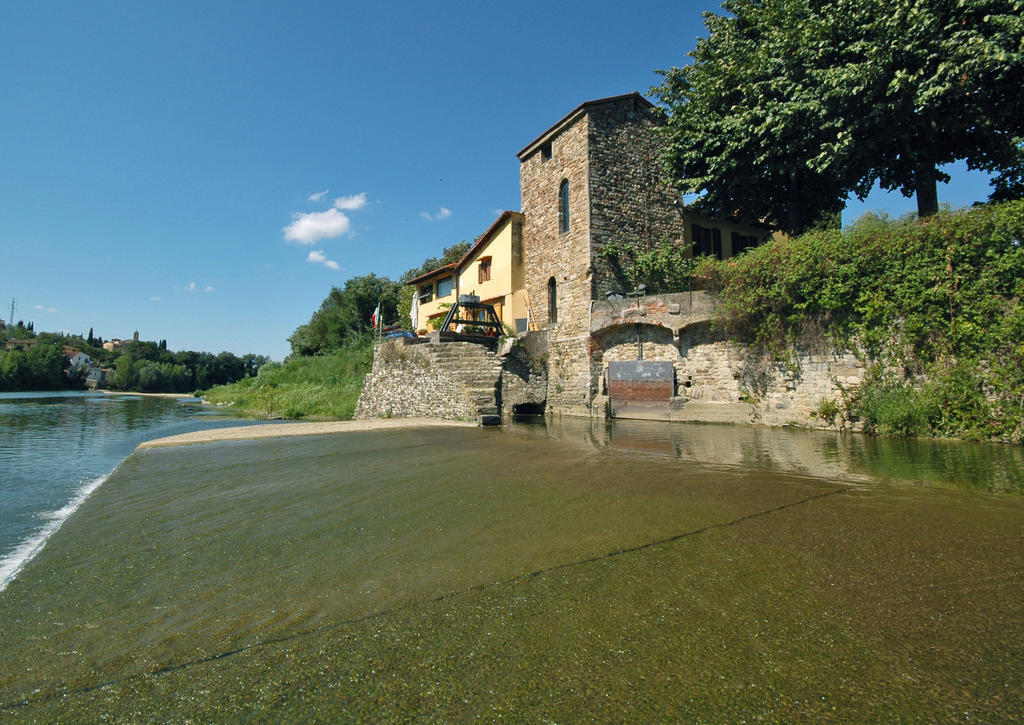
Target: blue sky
[(203, 172)]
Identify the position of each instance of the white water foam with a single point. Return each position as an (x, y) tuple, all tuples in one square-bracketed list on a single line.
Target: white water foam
[(14, 562)]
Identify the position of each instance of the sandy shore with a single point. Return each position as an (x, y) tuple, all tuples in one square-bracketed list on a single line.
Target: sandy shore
[(148, 395), (274, 430)]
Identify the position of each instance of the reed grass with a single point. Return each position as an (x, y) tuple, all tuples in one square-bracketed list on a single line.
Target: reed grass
[(321, 387)]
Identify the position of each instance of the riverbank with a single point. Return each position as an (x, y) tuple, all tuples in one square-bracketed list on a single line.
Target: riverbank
[(177, 396), (444, 573), (278, 430)]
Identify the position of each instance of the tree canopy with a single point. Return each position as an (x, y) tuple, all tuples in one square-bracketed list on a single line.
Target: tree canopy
[(343, 318), (141, 365), (789, 105)]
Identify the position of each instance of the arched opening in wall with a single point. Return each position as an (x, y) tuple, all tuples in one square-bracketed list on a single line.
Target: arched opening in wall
[(552, 301), (528, 409), (636, 369), (563, 206)]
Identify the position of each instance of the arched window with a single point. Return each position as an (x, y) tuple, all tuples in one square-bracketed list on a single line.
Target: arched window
[(552, 301), (563, 206)]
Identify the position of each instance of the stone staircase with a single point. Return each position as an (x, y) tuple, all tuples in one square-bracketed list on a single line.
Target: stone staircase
[(478, 370)]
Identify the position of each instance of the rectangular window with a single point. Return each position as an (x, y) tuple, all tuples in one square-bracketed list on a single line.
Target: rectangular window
[(426, 293), (445, 286), (741, 242), (545, 152), (483, 272), (707, 241)]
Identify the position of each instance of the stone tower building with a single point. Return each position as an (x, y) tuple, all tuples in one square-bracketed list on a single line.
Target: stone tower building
[(592, 179)]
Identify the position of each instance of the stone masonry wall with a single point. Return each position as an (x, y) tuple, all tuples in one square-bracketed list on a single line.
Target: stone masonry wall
[(720, 380), (793, 396), (564, 256), (524, 384), (404, 383), (707, 367), (631, 201), (452, 380)]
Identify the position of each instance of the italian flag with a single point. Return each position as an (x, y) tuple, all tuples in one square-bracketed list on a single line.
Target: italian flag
[(375, 316)]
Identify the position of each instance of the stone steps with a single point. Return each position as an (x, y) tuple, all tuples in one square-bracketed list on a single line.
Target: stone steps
[(476, 369)]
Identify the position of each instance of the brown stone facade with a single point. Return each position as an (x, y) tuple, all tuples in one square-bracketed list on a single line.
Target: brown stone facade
[(562, 256), (608, 152), (631, 200)]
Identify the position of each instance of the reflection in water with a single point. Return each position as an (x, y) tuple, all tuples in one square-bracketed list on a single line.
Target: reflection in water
[(849, 457)]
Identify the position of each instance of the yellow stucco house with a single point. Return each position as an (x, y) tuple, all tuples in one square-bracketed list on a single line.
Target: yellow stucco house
[(492, 269)]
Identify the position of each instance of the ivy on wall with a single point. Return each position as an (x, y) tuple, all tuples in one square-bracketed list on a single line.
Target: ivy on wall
[(941, 298)]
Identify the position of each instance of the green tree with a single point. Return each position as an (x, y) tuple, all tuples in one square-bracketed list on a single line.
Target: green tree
[(929, 82), (789, 105), (344, 315), (14, 371), (46, 364), (124, 373), (746, 119)]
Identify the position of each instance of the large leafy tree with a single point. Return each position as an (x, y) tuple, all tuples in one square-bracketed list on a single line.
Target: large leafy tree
[(928, 82), (747, 119), (344, 315), (789, 105)]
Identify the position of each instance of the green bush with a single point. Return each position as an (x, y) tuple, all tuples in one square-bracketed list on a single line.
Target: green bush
[(322, 387), (942, 297)]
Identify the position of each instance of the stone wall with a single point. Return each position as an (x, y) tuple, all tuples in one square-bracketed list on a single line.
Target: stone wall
[(404, 382), (793, 395), (563, 256), (631, 201), (722, 381), (524, 383), (716, 380), (452, 380)]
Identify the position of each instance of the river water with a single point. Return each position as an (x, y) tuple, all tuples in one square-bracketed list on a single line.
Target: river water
[(55, 448), (578, 570)]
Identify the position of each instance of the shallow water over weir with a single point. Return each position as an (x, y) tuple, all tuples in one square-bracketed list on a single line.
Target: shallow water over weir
[(631, 572)]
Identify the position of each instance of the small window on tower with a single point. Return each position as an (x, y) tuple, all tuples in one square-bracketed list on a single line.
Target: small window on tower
[(563, 206), (484, 270), (545, 152)]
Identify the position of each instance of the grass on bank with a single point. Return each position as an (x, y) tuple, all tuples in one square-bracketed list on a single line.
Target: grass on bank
[(322, 387), (936, 304)]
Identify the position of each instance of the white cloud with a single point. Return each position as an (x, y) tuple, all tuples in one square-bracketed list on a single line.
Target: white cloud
[(319, 196), (444, 213), (317, 256), (38, 307), (190, 287), (351, 203), (208, 288), (154, 299), (44, 309), (312, 227)]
